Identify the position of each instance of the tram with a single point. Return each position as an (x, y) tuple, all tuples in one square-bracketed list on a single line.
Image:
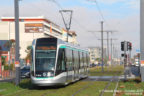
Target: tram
[(55, 62)]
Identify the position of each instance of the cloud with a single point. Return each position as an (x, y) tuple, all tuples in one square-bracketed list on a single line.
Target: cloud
[(84, 20), (134, 4)]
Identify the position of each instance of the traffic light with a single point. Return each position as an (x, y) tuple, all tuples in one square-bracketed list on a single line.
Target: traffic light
[(124, 55), (129, 45), (122, 46)]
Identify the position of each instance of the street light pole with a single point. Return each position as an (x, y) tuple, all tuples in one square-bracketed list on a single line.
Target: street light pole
[(17, 79)]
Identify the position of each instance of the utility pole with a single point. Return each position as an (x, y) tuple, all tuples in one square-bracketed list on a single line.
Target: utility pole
[(68, 23), (102, 45), (108, 41), (125, 60), (108, 45), (17, 79), (108, 31), (112, 49)]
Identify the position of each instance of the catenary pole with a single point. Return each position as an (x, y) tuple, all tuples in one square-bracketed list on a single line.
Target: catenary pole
[(16, 6), (102, 57)]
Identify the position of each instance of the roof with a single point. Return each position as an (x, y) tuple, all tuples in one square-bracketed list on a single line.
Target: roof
[(34, 19), (26, 19), (3, 52)]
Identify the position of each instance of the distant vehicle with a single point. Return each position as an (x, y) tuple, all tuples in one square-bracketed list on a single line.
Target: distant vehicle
[(25, 72), (137, 63), (92, 65), (55, 62)]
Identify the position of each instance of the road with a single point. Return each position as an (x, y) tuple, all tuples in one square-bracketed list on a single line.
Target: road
[(135, 70)]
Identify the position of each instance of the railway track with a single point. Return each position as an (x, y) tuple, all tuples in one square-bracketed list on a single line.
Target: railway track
[(107, 86)]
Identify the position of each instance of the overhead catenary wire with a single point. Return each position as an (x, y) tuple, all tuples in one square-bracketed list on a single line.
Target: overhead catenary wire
[(99, 9), (80, 25)]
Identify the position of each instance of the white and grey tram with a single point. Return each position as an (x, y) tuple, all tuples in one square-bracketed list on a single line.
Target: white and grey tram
[(55, 62)]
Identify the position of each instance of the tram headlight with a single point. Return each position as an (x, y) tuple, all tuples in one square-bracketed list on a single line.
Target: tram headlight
[(50, 74)]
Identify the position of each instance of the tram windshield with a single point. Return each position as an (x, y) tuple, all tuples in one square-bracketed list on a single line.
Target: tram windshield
[(45, 56)]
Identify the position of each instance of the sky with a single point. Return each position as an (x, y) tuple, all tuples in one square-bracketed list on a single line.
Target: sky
[(121, 16)]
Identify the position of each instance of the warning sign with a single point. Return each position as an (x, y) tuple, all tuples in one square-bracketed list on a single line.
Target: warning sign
[(142, 62), (17, 64)]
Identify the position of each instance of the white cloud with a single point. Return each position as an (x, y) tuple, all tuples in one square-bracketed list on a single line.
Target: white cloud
[(135, 4), (130, 3), (111, 1), (84, 20)]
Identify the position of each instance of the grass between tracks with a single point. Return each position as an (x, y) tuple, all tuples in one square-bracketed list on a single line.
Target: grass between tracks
[(27, 89), (108, 71), (90, 88), (131, 87)]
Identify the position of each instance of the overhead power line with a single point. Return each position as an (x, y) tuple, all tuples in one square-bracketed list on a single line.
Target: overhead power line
[(99, 10), (97, 5), (80, 25)]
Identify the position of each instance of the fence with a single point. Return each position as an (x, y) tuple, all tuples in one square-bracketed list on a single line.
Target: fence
[(7, 74)]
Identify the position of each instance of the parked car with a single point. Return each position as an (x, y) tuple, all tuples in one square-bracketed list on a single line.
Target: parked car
[(25, 72), (92, 65)]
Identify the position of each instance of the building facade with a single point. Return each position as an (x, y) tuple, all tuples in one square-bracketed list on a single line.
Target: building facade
[(95, 54), (31, 28)]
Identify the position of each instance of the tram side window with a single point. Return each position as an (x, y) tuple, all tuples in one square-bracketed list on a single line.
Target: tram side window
[(81, 60), (69, 59), (76, 61), (85, 62), (61, 65)]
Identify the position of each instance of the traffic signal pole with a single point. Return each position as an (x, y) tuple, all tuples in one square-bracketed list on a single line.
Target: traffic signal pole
[(125, 60), (126, 46)]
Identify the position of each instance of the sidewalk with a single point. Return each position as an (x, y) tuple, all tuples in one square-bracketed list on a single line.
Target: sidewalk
[(108, 78), (7, 79), (122, 77)]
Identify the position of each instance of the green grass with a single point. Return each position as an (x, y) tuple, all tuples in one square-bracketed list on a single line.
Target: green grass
[(108, 71), (90, 88), (132, 86), (27, 89), (6, 88)]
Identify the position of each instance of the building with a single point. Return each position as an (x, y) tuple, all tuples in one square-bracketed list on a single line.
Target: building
[(31, 28), (95, 54)]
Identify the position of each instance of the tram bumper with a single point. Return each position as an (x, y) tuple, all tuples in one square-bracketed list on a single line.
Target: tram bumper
[(52, 81)]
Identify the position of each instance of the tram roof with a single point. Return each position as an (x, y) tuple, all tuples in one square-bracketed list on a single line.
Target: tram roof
[(59, 41), (71, 45)]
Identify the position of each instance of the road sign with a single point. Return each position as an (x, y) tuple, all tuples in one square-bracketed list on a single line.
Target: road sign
[(138, 50), (17, 64), (142, 62)]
